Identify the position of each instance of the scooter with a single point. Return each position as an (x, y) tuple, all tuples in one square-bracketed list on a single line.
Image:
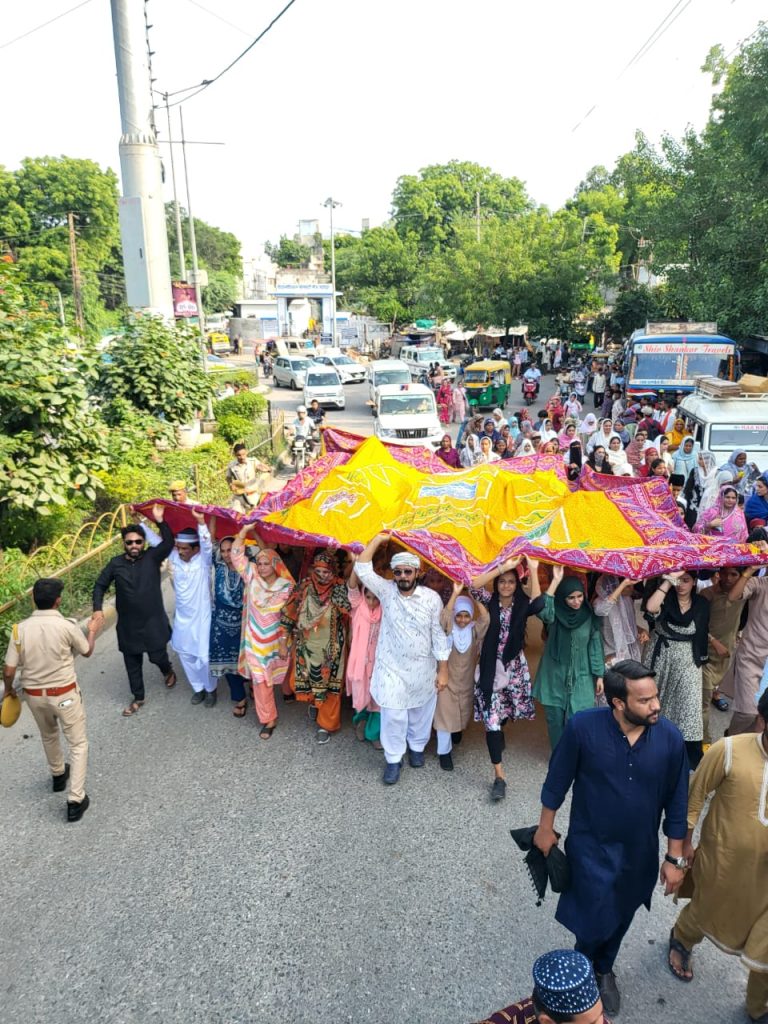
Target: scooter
[(529, 391)]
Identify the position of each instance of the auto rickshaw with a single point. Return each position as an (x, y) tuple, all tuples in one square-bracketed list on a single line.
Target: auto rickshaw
[(487, 383)]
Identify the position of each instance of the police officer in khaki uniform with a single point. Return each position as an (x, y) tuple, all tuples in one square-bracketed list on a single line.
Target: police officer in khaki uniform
[(44, 647)]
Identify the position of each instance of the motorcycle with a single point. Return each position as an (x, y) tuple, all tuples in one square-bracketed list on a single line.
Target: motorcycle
[(529, 391), (300, 452)]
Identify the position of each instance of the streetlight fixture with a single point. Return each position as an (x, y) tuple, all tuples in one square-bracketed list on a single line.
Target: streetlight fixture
[(331, 203)]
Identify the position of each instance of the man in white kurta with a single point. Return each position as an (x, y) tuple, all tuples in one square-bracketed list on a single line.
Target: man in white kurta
[(191, 561), (411, 657)]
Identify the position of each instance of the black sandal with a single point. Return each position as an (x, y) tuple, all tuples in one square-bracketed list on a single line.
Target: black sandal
[(675, 946), (240, 708), (266, 732)]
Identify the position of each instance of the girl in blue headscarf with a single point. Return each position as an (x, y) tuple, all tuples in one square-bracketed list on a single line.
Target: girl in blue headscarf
[(686, 457), (756, 507)]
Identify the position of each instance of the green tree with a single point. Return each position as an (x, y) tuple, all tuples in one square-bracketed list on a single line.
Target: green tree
[(221, 292), (539, 268), (432, 204), (157, 367), (51, 440), (288, 252), (216, 249), (378, 274), (34, 205)]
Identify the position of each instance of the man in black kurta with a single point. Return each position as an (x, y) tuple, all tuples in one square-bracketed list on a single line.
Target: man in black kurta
[(142, 624), (627, 765)]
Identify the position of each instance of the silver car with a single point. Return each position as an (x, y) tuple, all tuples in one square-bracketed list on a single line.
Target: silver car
[(349, 371), (290, 372)]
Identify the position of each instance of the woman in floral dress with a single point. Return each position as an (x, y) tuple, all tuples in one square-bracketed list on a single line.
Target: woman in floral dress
[(503, 687)]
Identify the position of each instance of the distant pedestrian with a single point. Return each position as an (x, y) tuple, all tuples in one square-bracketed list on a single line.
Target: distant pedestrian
[(44, 647), (411, 658), (142, 624)]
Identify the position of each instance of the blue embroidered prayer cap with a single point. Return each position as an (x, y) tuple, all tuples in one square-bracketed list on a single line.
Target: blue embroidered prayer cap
[(565, 982)]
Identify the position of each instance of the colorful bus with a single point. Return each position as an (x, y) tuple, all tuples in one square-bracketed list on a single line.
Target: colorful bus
[(670, 356)]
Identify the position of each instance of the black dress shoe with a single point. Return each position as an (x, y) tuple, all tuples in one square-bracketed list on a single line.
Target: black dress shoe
[(59, 782), (456, 738), (210, 699), (609, 993), (446, 762), (76, 811), (198, 697)]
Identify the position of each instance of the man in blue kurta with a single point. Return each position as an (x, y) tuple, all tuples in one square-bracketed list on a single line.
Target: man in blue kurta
[(626, 765)]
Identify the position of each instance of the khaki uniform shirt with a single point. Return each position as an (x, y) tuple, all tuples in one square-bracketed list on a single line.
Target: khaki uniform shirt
[(48, 645)]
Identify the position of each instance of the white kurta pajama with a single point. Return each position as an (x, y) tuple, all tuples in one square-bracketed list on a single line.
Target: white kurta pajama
[(192, 621), (411, 642)]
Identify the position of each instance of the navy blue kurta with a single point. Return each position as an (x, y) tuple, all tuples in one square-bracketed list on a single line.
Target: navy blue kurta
[(619, 793)]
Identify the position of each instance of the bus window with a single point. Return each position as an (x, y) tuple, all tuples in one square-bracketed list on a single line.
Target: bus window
[(701, 364), (653, 366)]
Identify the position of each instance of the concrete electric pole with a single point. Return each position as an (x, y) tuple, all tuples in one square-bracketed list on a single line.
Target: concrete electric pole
[(331, 204), (142, 210)]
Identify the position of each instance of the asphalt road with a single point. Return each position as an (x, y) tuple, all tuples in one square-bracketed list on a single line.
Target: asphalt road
[(221, 879)]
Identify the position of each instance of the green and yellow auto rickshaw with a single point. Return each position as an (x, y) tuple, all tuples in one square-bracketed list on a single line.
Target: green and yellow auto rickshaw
[(487, 383)]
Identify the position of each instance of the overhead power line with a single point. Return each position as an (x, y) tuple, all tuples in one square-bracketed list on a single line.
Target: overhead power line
[(45, 24), (215, 14), (661, 29), (195, 90)]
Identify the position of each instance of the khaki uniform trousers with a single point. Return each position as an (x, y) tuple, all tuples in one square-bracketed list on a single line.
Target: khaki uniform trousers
[(66, 711)]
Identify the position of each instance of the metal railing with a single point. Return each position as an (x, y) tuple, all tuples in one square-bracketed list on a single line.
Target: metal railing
[(77, 558)]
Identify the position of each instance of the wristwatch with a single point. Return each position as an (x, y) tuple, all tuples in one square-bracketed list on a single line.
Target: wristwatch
[(679, 862)]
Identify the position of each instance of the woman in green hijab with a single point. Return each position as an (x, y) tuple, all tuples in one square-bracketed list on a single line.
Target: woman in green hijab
[(570, 672)]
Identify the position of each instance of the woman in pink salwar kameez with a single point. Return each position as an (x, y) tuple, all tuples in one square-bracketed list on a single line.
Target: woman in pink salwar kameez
[(267, 587), (364, 635)]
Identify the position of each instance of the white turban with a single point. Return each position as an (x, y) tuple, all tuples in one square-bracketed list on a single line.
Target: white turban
[(188, 537), (405, 558)]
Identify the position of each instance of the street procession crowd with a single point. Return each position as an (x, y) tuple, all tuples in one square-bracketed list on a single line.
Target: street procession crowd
[(626, 679)]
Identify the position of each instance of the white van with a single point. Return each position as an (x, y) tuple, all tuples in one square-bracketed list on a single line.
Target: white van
[(386, 371), (419, 357), (721, 425), (324, 384), (407, 415)]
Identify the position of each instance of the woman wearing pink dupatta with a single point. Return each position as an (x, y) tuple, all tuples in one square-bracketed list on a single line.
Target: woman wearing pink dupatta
[(363, 637)]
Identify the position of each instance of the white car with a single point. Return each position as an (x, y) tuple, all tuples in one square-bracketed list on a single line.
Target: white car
[(290, 371), (349, 371), (385, 371), (419, 358), (406, 414), (324, 384)]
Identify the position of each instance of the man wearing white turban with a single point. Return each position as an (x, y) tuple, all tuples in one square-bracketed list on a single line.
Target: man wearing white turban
[(411, 657)]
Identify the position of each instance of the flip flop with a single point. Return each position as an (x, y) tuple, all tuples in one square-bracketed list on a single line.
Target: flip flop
[(133, 708), (266, 732), (240, 709), (675, 946)]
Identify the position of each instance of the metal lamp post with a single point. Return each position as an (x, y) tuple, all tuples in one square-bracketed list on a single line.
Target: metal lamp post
[(331, 203)]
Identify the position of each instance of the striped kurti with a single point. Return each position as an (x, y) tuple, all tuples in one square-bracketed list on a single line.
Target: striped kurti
[(259, 660)]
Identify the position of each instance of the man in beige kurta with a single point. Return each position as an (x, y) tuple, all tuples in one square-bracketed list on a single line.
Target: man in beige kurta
[(245, 476), (743, 677), (730, 869)]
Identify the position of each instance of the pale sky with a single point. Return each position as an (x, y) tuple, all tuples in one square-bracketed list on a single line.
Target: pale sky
[(343, 96)]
